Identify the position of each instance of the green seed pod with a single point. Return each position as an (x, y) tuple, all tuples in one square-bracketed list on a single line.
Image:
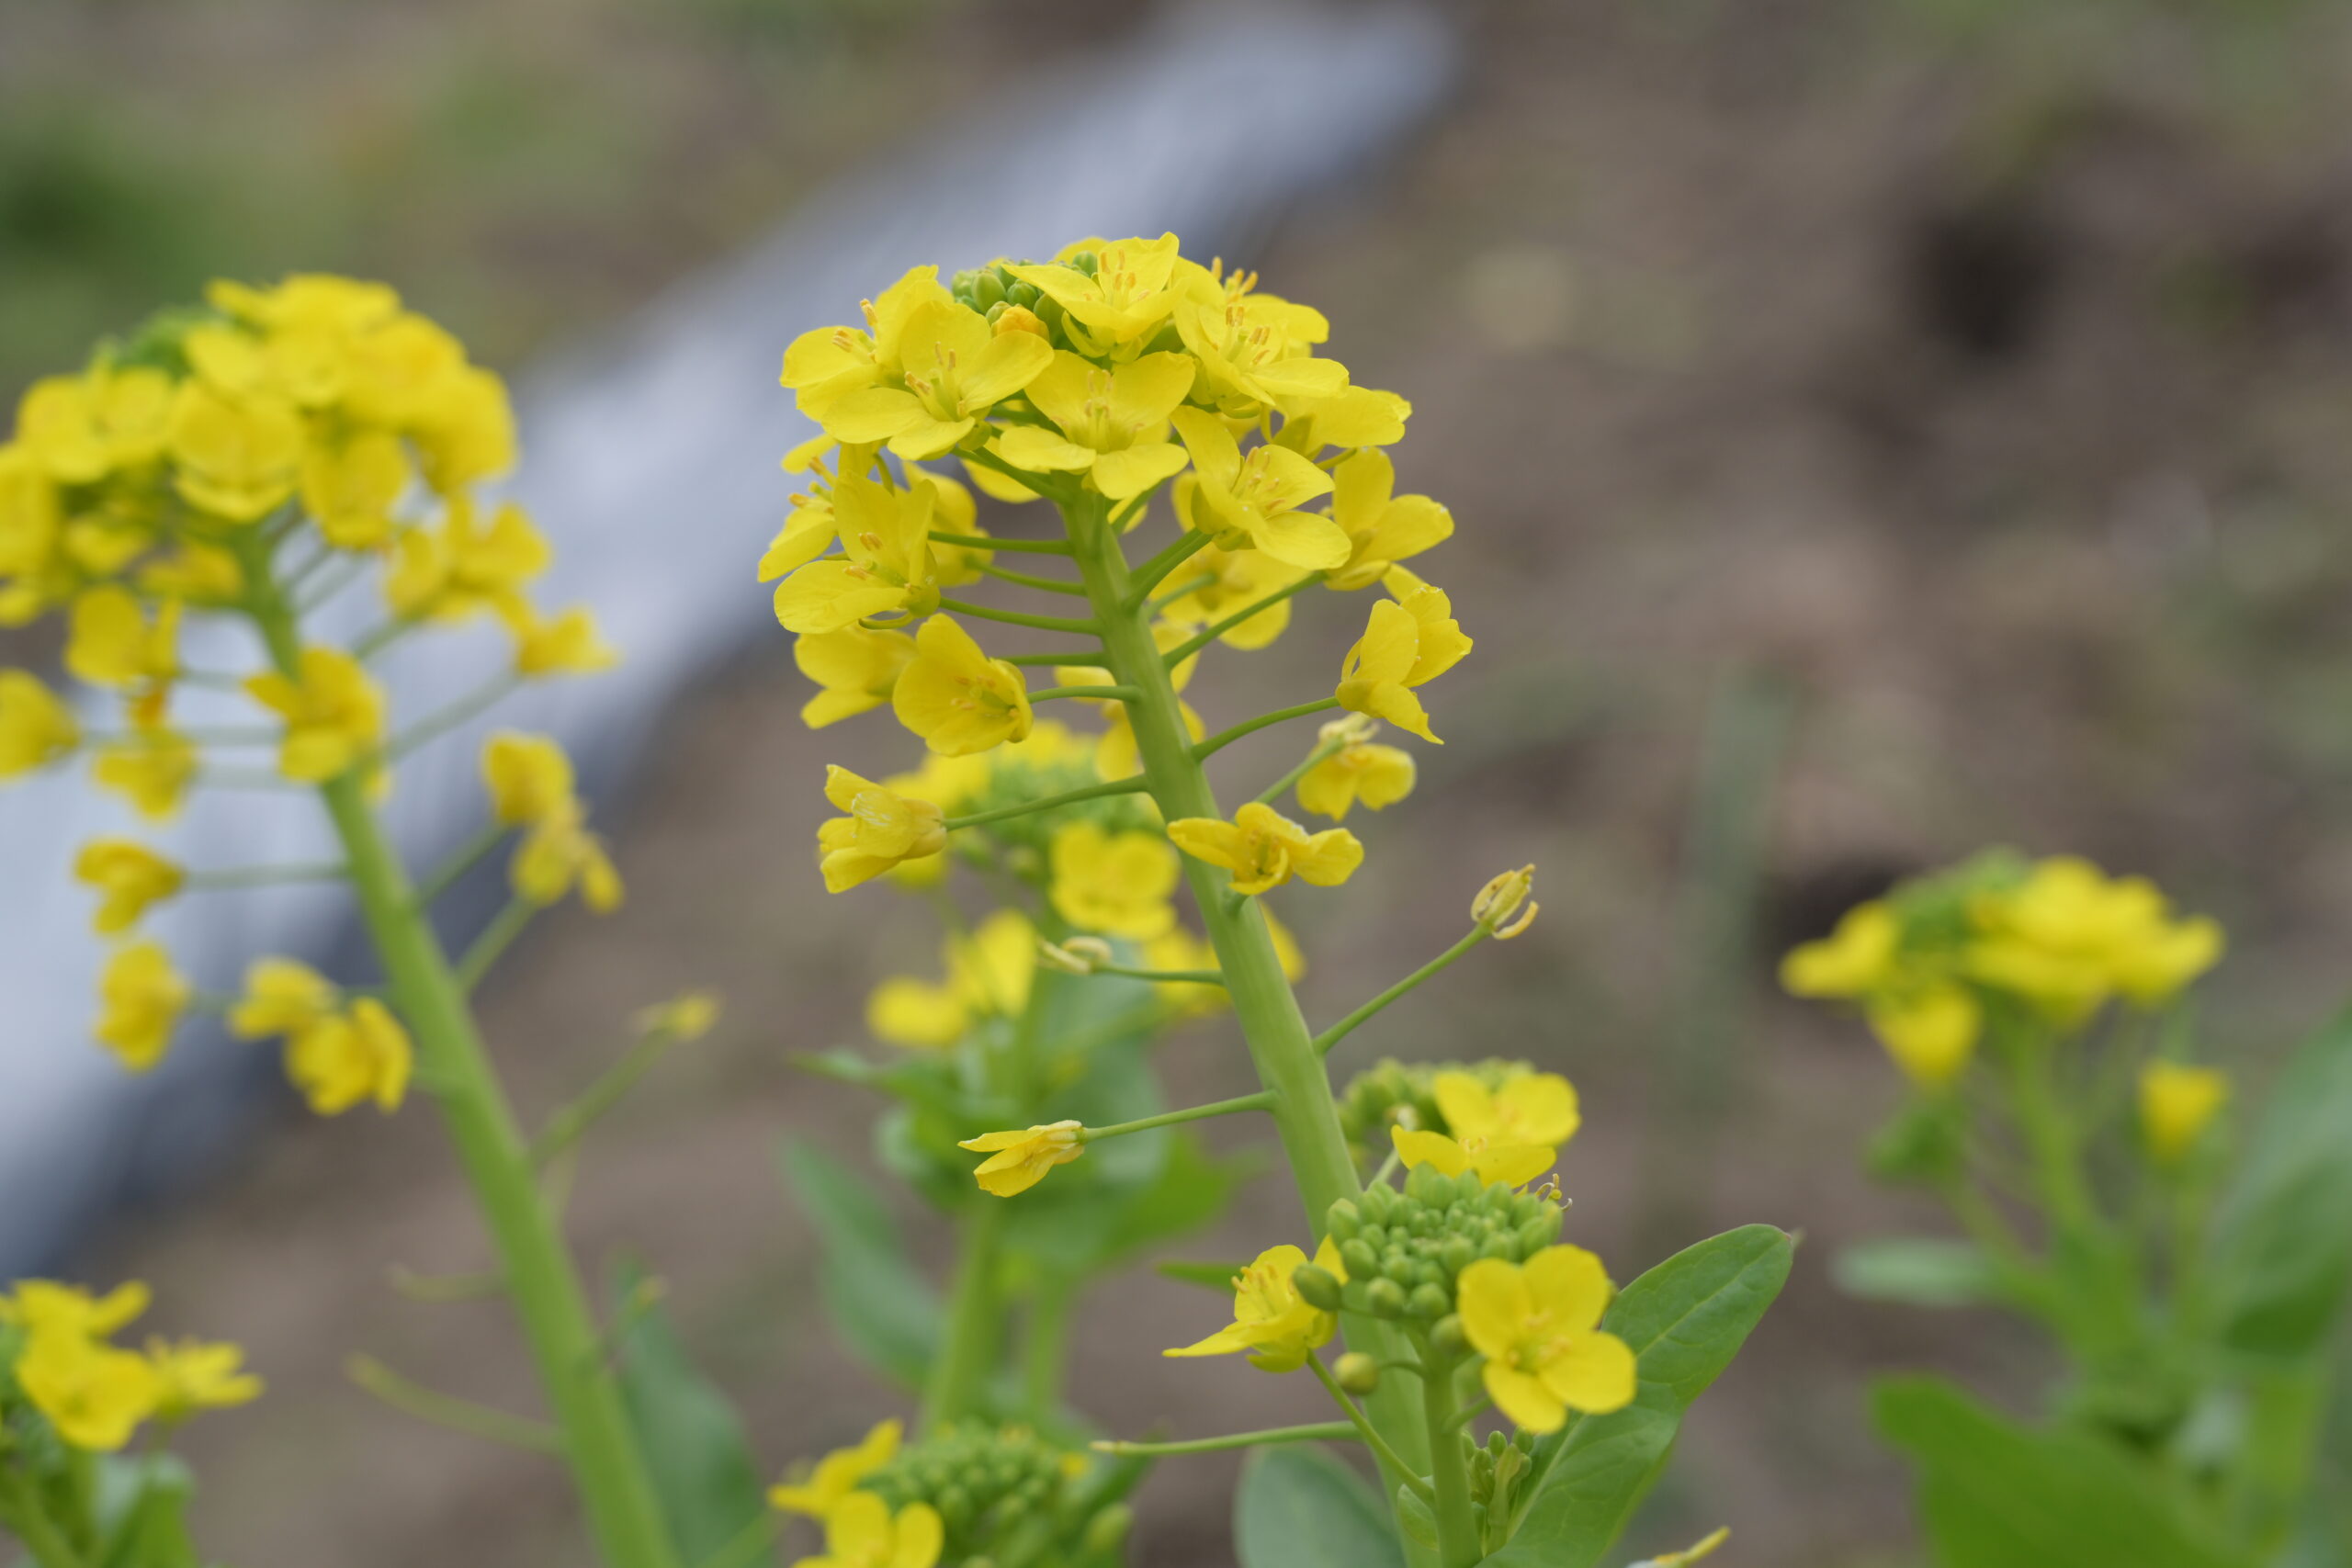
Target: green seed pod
[(1384, 1298), (1362, 1261), (1356, 1372), (1447, 1338), (1317, 1287), (1345, 1221), (1429, 1302)]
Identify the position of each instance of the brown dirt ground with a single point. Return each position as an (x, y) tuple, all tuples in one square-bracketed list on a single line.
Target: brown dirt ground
[(2006, 425)]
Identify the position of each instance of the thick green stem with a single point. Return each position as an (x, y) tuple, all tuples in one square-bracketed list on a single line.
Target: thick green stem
[(1045, 1357), (1281, 1047), (974, 1320), (1458, 1543), (607, 1469), (25, 1516)]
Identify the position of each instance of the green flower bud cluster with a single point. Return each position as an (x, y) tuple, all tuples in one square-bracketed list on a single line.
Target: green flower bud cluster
[(1379, 1097), (1021, 843), (1405, 1250), (993, 290), (1498, 1472), (1002, 1491)]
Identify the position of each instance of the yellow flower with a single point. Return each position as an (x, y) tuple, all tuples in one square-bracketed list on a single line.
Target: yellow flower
[(1383, 527), (686, 1017), (112, 643), (1852, 961), (887, 566), (571, 644), (2177, 1104), (958, 698), (236, 457), (349, 488), (838, 1474), (857, 669), (1018, 1161), (1117, 884), (191, 569), (1113, 422), (1224, 582), (468, 433), (462, 567), (1538, 1325), (528, 777), (1930, 1029), (194, 1376), (282, 995), (1512, 1135), (400, 370), (2068, 936), (1122, 300), (152, 766), (1379, 776), (45, 1307), (954, 369), (560, 853), (1355, 416), (862, 1532), (1264, 849), (333, 713), (128, 876), (352, 1057), (1276, 1327), (1256, 350), (882, 829), (142, 998), (1407, 642), (36, 729), (93, 1394), (1257, 498), (826, 364), (81, 427), (989, 971)]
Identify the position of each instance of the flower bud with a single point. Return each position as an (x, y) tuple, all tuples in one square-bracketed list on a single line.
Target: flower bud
[(1317, 1287), (1015, 318), (1540, 1232), (1362, 1261), (1078, 955), (1502, 898), (1356, 1372), (1429, 1302), (1447, 1338), (1384, 1298), (1348, 730), (1345, 1221), (1107, 1529)]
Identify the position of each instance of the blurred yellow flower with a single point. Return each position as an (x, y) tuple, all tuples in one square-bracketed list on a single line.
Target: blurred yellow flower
[(528, 777), (560, 853), (349, 488), (463, 568), (151, 765), (236, 457), (1852, 961), (92, 1393), (128, 876), (2177, 1104), (345, 1058), (988, 971), (838, 1474), (112, 643), (1264, 849), (1018, 1161), (857, 670), (140, 999), (862, 1532), (193, 1376), (882, 829), (282, 995), (36, 729), (571, 644), (333, 713), (1218, 583), (1117, 884), (45, 1306), (1929, 1029)]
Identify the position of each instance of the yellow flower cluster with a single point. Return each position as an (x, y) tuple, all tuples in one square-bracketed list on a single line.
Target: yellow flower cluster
[(861, 1529), (95, 1394), (2057, 938), (530, 784)]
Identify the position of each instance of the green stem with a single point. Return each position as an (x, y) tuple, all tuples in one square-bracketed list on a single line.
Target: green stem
[(1323, 753), (1045, 1357), (1162, 976), (1111, 694), (1262, 1100), (1459, 1544), (1364, 1428), (566, 1127), (1018, 618), (985, 542), (449, 1410), (1150, 574), (492, 942), (444, 875), (1280, 1045), (1031, 579), (263, 877), (1048, 803), (974, 1320), (1225, 738), (1318, 1432), (26, 1516), (463, 710), (1079, 659), (608, 1472), (1347, 1026)]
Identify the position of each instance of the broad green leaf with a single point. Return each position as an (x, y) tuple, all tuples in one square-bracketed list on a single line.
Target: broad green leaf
[(143, 1513), (1685, 1320), (2282, 1255), (879, 1303), (1301, 1507), (1918, 1271), (691, 1437), (1996, 1494)]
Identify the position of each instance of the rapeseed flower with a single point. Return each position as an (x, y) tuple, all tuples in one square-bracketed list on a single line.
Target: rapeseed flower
[(152, 765), (464, 567), (349, 488), (886, 568), (1255, 499), (193, 1376), (1018, 1161), (1276, 1327), (958, 698), (1930, 1029), (953, 368), (528, 777), (1217, 584), (1112, 422), (1538, 1325), (1383, 527), (987, 972), (1509, 1134), (1377, 776), (128, 876), (862, 1532), (1117, 884), (93, 1394), (1117, 302), (1264, 849), (36, 729), (856, 668), (883, 828), (236, 457), (282, 995), (112, 643), (570, 643), (361, 1054), (1854, 960), (334, 712), (45, 1306), (1407, 642), (142, 998), (839, 1474), (2177, 1104)]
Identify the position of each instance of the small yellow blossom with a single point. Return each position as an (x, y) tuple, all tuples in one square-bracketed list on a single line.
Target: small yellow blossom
[(2068, 936), (558, 855), (887, 566), (462, 567), (1256, 499), (1122, 301), (142, 998), (1538, 1325), (1018, 1161), (236, 457), (1264, 849), (361, 1054), (1856, 959), (857, 669), (112, 642), (570, 644), (958, 698), (1113, 422), (883, 830), (989, 971), (838, 1474), (36, 729), (193, 571), (1378, 776), (1272, 1322), (528, 777), (1255, 351), (686, 1017), (1511, 1135), (129, 876), (93, 1394), (1117, 884), (862, 1532), (2177, 1104), (468, 433), (1383, 527), (334, 712), (78, 428), (152, 766), (1218, 583), (46, 1307), (1930, 1029), (1704, 1547), (282, 995), (194, 1376), (349, 488), (1353, 416), (401, 371), (954, 369), (1407, 642), (1505, 896), (825, 365)]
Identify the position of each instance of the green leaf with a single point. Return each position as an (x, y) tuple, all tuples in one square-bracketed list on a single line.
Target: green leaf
[(1996, 1495), (882, 1307), (1918, 1271), (2282, 1262), (143, 1513), (692, 1440), (1301, 1507), (1685, 1320)]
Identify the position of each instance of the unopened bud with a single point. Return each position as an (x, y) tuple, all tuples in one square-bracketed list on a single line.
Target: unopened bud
[(686, 1017), (1384, 1298), (1018, 319), (1500, 899), (1316, 1286), (1108, 1529), (1078, 955), (1348, 728), (1356, 1372), (1448, 1338)]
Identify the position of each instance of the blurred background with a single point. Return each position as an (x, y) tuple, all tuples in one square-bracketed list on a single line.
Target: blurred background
[(1875, 430)]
